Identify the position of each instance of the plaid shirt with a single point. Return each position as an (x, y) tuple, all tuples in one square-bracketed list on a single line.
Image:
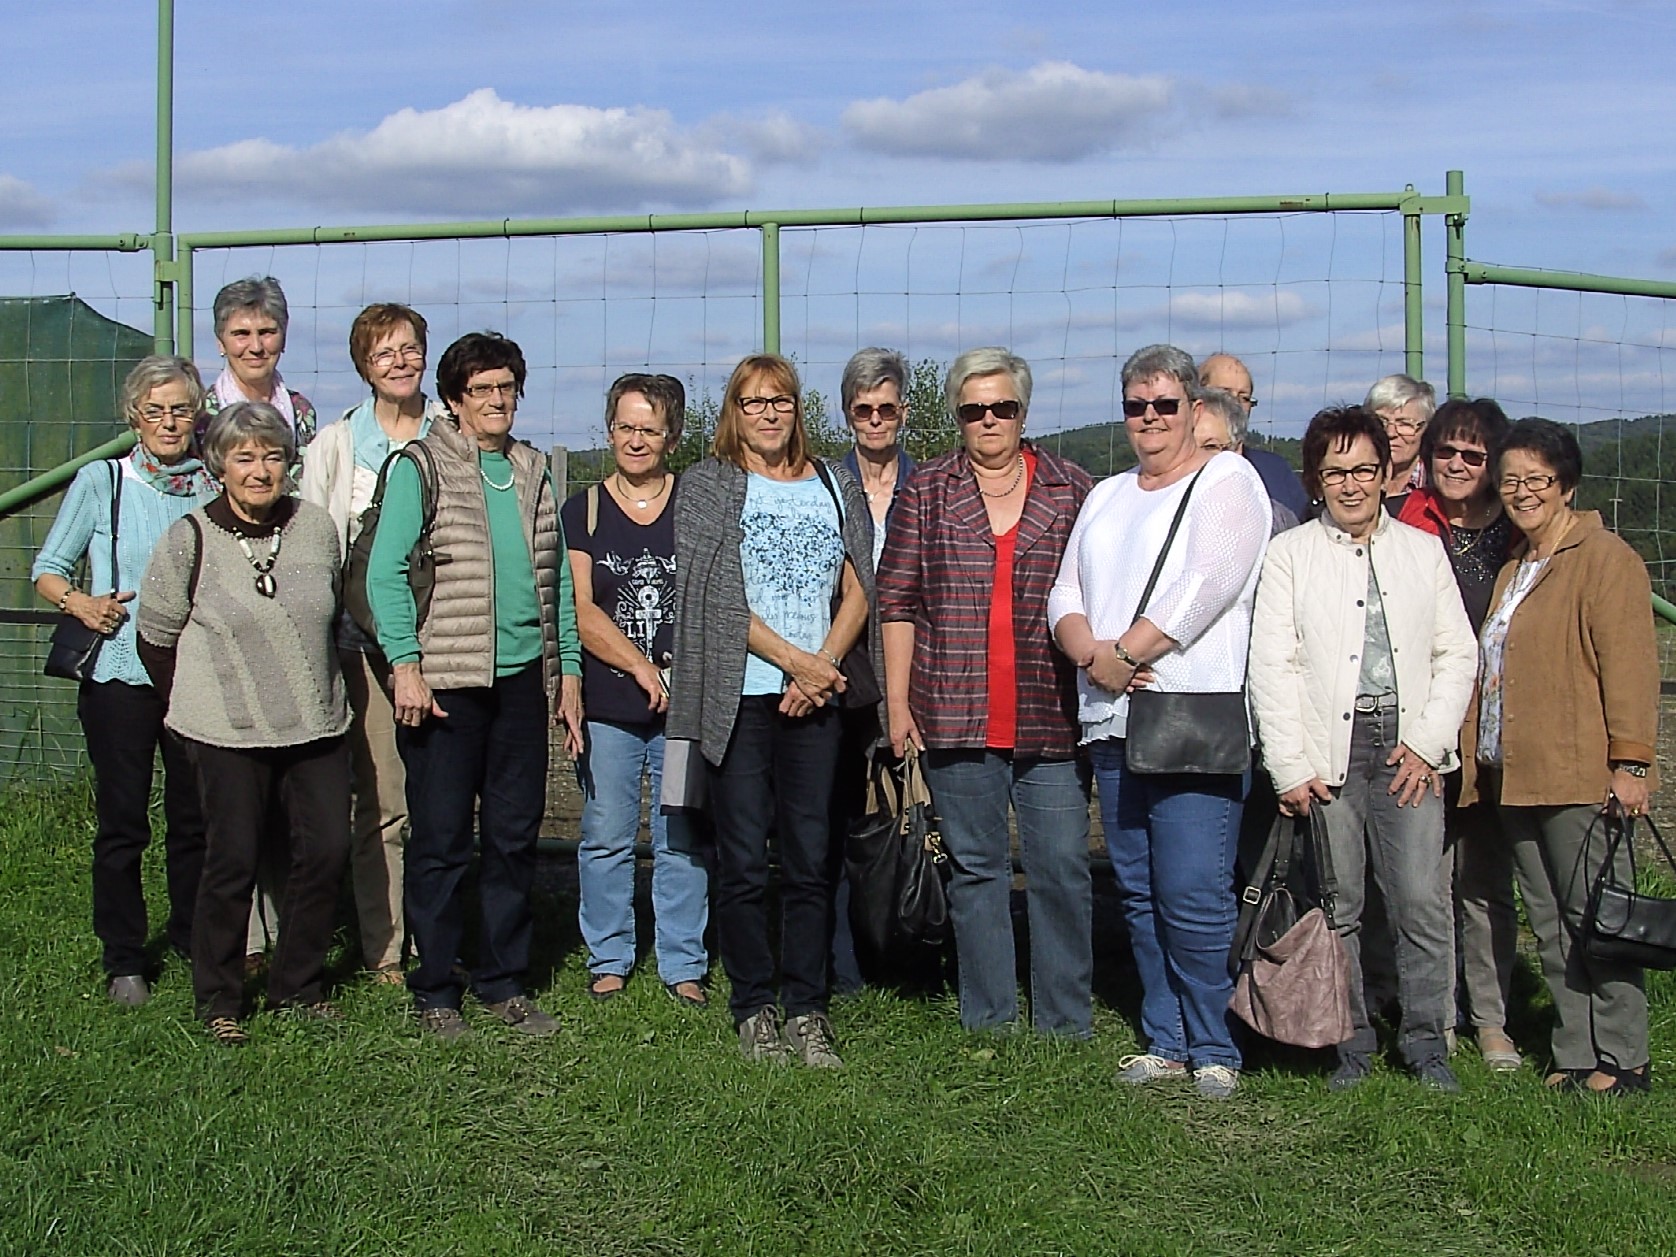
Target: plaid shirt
[(938, 572)]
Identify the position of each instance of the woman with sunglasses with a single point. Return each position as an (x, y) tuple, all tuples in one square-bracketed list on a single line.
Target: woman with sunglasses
[(1172, 836), (1460, 506), (1565, 727), (973, 680)]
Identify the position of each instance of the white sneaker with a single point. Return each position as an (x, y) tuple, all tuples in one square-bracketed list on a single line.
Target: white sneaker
[(1216, 1081), (810, 1039), (1148, 1068)]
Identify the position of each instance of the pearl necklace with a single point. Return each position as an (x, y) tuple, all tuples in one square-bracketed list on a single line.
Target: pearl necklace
[(1018, 477), (642, 503), (500, 487)]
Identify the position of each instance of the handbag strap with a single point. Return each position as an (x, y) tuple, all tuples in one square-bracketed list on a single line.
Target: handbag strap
[(1169, 540), (115, 468), (1322, 849)]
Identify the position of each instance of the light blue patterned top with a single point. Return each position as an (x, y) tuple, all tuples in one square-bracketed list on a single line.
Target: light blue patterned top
[(83, 527), (791, 554)]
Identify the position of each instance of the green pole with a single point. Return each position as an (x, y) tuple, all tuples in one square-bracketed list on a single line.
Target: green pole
[(183, 302), (58, 477), (771, 288), (162, 241), (1568, 281), (1454, 228), (1413, 295)]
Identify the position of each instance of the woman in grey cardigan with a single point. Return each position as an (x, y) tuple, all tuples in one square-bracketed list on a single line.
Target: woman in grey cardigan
[(242, 594)]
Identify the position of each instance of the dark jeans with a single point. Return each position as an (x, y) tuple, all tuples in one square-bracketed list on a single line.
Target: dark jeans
[(244, 790), (485, 762), (776, 775), (123, 725)]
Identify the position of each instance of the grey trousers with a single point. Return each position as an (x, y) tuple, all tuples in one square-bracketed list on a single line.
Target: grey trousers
[(1403, 848), (1600, 1008)]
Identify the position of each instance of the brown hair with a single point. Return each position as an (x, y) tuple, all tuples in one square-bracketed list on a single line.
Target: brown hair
[(380, 319), (665, 394), (1336, 429), (782, 375)]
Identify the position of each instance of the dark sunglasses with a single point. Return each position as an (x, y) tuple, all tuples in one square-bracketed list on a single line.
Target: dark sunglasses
[(1472, 458), (971, 412), (887, 413), (1134, 408)]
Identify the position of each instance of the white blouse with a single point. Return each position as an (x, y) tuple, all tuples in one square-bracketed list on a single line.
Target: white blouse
[(1205, 591)]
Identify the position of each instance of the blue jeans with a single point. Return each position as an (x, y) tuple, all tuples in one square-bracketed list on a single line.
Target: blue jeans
[(1172, 839), (610, 772), (972, 790)]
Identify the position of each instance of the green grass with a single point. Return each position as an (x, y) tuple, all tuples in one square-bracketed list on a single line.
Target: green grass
[(639, 1129)]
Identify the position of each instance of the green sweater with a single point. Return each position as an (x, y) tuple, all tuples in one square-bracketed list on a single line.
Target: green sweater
[(517, 610)]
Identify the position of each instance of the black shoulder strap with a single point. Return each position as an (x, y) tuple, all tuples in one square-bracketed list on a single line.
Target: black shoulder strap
[(826, 479), (1169, 540), (114, 466), (197, 558)]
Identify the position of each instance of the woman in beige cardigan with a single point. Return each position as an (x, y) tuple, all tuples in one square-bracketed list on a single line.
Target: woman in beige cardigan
[(1565, 728)]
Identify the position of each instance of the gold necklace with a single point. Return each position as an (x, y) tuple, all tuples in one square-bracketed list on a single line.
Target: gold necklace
[(1018, 476), (642, 503)]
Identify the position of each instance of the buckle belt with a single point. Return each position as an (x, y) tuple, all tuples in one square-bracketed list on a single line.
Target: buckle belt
[(1376, 702)]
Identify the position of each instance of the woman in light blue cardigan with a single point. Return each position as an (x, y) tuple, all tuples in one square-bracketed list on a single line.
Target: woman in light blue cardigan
[(121, 714)]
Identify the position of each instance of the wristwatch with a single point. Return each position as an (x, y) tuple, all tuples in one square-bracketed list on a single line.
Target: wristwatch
[(1126, 656), (1628, 766)]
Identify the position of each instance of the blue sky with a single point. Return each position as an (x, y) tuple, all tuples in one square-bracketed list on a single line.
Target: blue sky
[(311, 113)]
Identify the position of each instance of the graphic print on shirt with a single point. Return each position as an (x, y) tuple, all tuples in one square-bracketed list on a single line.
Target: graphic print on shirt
[(645, 597)]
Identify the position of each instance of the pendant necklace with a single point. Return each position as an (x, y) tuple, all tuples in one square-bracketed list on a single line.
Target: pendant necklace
[(642, 503), (264, 568), (1017, 476)]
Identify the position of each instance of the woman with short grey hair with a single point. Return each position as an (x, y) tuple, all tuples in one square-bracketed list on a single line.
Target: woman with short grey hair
[(243, 596), (251, 318), (121, 715), (1406, 406)]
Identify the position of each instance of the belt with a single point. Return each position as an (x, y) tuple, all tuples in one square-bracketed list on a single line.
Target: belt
[(1376, 702)]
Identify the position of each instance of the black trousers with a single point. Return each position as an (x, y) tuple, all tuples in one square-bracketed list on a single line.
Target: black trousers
[(247, 794), (123, 725)]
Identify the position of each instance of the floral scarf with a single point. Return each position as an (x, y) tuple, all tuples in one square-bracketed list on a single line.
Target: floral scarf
[(227, 391), (185, 479)]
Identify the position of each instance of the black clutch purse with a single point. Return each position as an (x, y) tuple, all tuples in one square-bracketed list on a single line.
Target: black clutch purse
[(75, 647), (1621, 923)]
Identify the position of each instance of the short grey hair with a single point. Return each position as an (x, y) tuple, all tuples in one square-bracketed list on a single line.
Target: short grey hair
[(989, 360), (1396, 391), (1167, 360), (873, 368), (154, 372), (1224, 403), (262, 294), (256, 422)]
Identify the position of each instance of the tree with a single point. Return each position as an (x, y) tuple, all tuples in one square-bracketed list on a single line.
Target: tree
[(930, 429)]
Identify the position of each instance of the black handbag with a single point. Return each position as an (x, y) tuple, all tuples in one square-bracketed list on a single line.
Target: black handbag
[(75, 647), (894, 858), (1185, 733), (861, 683), (1623, 924)]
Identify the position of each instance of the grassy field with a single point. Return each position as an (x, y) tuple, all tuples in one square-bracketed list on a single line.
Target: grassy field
[(640, 1130)]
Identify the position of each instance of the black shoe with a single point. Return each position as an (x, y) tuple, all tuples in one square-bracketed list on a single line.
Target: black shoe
[(1353, 1069), (1435, 1073), (522, 1015)]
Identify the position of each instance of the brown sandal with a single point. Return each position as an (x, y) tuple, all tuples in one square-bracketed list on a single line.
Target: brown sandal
[(603, 993)]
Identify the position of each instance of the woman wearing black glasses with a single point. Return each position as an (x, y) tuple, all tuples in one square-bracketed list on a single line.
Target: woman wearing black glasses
[(974, 681)]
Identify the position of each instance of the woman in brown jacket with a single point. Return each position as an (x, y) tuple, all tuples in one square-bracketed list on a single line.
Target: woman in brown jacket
[(1566, 726)]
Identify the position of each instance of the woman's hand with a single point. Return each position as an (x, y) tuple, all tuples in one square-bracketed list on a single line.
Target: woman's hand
[(1629, 792), (412, 696), (816, 677), (1297, 801), (794, 702), (1107, 670), (102, 615), (903, 731), (648, 677), (1414, 777), (567, 713)]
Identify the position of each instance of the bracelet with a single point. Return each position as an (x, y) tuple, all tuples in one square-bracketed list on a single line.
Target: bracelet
[(64, 599), (1126, 656), (831, 658)]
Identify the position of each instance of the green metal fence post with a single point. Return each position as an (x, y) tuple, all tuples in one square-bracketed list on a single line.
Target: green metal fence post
[(183, 302), (771, 288), (162, 240), (1413, 292), (1454, 227)]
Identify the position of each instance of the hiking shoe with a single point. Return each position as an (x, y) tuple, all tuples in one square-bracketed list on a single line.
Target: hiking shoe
[(1435, 1073), (227, 1032), (128, 990), (521, 1013), (319, 1010), (759, 1036), (1135, 1070), (809, 1038), (1353, 1069), (1215, 1082), (1499, 1052), (443, 1023)]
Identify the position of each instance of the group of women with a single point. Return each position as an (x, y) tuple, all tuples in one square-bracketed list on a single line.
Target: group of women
[(750, 628)]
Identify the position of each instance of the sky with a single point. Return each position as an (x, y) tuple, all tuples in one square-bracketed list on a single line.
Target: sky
[(309, 113)]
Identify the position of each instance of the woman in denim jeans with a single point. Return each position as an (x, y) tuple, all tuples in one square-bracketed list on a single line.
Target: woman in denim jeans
[(973, 680), (621, 539), (1172, 836)]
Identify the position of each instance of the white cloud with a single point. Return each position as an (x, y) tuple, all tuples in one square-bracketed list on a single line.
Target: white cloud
[(773, 139), (1053, 112), (1239, 309), (21, 205), (1596, 199), (484, 157)]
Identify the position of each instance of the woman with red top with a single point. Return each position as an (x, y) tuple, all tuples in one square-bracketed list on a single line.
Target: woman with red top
[(1460, 505), (973, 680)]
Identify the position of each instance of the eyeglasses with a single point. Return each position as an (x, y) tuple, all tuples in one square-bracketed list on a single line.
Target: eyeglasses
[(1472, 458), (645, 434), (388, 357), (1511, 485), (156, 414), (1408, 427), (783, 404), (1367, 473), (1135, 407), (480, 391), (1217, 447), (889, 412), (1246, 400), (1005, 410)]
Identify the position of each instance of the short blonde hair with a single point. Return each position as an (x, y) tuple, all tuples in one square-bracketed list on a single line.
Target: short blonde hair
[(154, 372)]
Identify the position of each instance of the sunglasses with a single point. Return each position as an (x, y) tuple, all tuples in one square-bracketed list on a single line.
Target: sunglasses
[(887, 413), (1472, 458), (1006, 411), (1134, 408)]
